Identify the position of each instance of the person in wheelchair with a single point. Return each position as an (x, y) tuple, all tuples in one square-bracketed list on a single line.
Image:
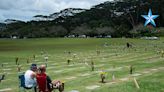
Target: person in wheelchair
[(44, 81)]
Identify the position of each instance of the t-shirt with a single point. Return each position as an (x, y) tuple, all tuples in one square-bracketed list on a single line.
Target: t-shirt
[(29, 82), (41, 81)]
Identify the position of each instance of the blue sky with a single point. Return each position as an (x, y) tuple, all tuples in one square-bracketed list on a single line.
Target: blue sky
[(26, 9)]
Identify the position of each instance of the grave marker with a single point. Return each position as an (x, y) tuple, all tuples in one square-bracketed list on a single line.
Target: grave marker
[(92, 65), (74, 91), (102, 76), (19, 68), (6, 90), (98, 52), (16, 60), (69, 53), (27, 60), (92, 87), (136, 83), (2, 77), (34, 57), (131, 69), (46, 58), (68, 61), (162, 53), (42, 52), (113, 77), (69, 78), (128, 45), (74, 55)]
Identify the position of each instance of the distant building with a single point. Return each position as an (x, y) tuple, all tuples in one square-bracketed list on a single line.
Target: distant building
[(14, 37), (150, 38), (71, 36), (108, 36), (82, 36)]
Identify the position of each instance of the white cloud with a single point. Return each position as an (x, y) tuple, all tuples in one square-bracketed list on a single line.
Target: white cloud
[(25, 9)]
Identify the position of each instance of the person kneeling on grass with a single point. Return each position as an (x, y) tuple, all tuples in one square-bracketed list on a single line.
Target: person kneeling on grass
[(44, 81)]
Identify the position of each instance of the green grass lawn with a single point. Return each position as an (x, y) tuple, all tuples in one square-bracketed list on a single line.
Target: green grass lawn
[(113, 58)]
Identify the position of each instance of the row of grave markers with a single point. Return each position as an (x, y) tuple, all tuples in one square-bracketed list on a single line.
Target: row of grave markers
[(91, 65)]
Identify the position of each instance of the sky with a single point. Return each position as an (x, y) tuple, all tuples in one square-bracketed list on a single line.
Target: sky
[(26, 9)]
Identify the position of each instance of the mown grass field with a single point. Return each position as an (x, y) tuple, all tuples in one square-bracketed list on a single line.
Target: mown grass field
[(114, 58)]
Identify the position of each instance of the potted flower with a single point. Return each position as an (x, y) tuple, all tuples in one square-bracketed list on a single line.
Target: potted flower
[(103, 76)]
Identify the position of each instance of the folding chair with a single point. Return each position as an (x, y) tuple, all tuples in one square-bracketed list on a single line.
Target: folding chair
[(22, 86)]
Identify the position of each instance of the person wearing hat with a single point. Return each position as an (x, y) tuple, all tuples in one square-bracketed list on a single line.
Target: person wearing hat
[(30, 77)]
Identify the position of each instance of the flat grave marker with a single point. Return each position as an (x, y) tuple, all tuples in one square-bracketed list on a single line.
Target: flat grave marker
[(6, 90), (92, 87), (69, 78)]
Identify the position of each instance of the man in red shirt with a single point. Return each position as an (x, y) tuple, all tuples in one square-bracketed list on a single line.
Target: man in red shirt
[(42, 81)]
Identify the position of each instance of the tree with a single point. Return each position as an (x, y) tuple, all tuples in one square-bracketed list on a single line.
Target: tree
[(82, 30), (104, 31), (57, 31)]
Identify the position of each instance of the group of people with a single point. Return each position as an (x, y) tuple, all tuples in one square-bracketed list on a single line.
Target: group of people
[(37, 77)]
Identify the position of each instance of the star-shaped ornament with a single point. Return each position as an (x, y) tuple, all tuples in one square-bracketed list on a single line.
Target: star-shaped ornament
[(150, 18)]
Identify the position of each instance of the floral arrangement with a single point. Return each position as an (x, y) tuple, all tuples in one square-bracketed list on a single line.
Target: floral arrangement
[(103, 76)]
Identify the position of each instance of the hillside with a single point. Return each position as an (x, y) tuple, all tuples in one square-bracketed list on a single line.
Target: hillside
[(63, 13), (120, 18)]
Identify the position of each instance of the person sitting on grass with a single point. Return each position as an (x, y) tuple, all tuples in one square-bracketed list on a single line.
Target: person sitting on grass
[(30, 77), (44, 81)]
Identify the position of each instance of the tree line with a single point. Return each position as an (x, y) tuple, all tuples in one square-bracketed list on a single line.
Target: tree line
[(119, 18)]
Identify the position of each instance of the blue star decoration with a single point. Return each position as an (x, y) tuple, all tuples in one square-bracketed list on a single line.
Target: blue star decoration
[(150, 18)]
